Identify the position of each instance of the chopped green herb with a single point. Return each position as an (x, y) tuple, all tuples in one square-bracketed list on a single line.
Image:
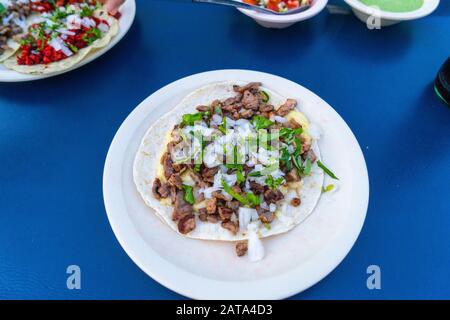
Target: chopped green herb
[(189, 194), (240, 177), (91, 35), (254, 199), (307, 167), (328, 188), (260, 122), (191, 119), (267, 226), (326, 170), (255, 174), (274, 183), (73, 48), (197, 167), (286, 158), (218, 110), (2, 9), (288, 134), (234, 194), (86, 11), (223, 126), (265, 96)]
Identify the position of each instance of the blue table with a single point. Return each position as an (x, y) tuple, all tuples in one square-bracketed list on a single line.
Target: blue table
[(55, 133)]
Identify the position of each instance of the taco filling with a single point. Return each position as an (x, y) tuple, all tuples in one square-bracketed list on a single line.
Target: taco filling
[(235, 162), (13, 15), (61, 33)]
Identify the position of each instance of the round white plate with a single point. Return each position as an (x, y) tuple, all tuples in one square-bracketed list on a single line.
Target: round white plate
[(128, 11), (210, 270)]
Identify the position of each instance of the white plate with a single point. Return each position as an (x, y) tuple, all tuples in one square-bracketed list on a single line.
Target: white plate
[(128, 11), (283, 21), (211, 270)]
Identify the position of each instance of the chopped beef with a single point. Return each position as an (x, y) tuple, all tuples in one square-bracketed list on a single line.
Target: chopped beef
[(198, 180), (273, 196), (166, 162), (265, 215), (256, 187), (250, 101), (241, 248), (213, 218), (292, 176), (232, 101), (265, 108), (252, 86), (179, 167), (295, 202), (236, 189), (202, 214), (246, 113), (203, 108), (232, 108), (175, 180), (173, 194), (186, 224), (220, 195), (225, 213), (181, 207), (233, 227), (211, 205), (160, 190), (209, 173), (199, 196), (285, 108), (233, 205)]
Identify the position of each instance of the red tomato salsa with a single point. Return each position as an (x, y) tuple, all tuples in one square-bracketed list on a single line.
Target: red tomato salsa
[(279, 5), (61, 34)]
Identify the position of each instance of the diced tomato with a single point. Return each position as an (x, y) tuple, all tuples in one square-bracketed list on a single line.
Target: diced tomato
[(293, 4)]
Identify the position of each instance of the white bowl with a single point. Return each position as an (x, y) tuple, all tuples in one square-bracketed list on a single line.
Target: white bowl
[(284, 21), (386, 18)]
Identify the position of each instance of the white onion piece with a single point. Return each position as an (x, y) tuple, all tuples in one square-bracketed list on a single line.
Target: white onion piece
[(245, 215), (279, 119), (255, 246)]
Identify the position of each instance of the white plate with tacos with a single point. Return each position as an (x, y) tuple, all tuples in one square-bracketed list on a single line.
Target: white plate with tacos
[(235, 184), (41, 38)]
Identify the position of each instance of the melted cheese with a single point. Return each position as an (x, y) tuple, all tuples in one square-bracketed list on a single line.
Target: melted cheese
[(303, 121)]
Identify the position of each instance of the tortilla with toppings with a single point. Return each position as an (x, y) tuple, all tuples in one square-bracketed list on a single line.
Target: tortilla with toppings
[(183, 170), (62, 38), (13, 23)]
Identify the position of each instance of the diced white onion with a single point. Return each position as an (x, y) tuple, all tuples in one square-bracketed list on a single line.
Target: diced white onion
[(255, 246), (245, 216)]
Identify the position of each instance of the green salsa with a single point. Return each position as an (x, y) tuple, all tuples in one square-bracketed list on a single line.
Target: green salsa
[(395, 5)]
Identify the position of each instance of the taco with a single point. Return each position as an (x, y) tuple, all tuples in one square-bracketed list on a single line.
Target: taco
[(61, 38), (13, 23), (233, 162)]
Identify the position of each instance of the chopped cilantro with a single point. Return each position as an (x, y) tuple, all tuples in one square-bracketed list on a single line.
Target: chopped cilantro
[(189, 194)]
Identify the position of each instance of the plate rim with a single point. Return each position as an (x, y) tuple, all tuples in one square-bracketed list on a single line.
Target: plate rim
[(21, 77), (122, 225)]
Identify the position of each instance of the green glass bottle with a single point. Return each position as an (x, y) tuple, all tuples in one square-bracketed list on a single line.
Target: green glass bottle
[(442, 82)]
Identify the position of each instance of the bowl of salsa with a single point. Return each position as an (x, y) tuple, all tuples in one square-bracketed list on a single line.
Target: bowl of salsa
[(389, 12), (282, 21)]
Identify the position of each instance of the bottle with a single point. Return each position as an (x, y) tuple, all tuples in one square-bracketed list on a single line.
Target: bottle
[(442, 82)]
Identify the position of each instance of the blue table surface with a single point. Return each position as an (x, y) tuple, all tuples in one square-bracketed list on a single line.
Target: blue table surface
[(55, 134)]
